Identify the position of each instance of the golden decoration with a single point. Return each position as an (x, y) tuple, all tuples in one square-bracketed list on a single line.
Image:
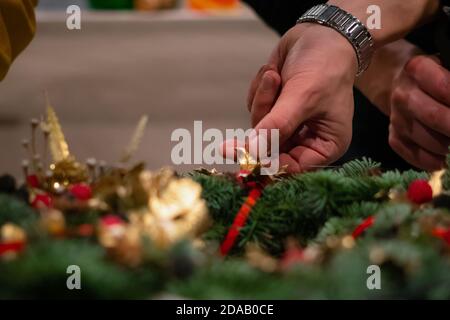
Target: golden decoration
[(10, 232), (246, 160), (120, 186), (135, 140), (53, 222), (436, 182), (209, 172), (377, 255), (176, 209), (260, 259), (122, 243), (66, 172), (348, 242), (58, 145)]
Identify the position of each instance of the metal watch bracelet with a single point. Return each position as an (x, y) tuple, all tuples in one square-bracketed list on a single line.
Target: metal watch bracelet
[(348, 26)]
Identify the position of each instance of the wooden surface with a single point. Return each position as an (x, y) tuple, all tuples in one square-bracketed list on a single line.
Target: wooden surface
[(118, 67)]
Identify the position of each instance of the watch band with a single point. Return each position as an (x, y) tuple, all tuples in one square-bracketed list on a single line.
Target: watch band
[(348, 26)]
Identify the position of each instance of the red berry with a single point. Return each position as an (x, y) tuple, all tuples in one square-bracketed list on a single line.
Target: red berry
[(81, 191), (111, 220), (442, 233), (12, 247), (33, 181), (85, 230), (420, 191), (42, 200), (292, 257)]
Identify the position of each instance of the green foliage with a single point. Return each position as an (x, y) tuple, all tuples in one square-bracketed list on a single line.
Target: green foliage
[(409, 271), (359, 168), (309, 207), (299, 206), (41, 272), (13, 210), (447, 174)]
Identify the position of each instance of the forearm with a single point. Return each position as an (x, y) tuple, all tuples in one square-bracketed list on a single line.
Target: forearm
[(398, 17), (387, 63)]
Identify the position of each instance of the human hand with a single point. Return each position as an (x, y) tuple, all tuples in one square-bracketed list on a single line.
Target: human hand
[(420, 113), (306, 91)]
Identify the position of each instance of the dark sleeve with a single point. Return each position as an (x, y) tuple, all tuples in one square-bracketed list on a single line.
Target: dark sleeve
[(434, 38), (281, 15)]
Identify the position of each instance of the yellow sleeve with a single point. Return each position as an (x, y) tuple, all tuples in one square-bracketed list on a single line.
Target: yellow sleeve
[(17, 28)]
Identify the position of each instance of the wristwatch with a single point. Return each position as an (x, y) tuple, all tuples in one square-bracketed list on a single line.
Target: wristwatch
[(348, 26)]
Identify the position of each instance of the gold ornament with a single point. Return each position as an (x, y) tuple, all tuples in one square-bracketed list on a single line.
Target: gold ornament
[(207, 172), (10, 232), (122, 242), (135, 140), (348, 242), (53, 221), (109, 234), (175, 208), (66, 172), (377, 255), (58, 144), (436, 182), (12, 241), (246, 160), (260, 259), (121, 186)]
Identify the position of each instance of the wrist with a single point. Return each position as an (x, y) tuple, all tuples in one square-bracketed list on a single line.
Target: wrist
[(327, 40), (348, 26), (379, 80)]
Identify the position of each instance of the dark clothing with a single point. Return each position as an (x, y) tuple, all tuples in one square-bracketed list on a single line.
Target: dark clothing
[(370, 126)]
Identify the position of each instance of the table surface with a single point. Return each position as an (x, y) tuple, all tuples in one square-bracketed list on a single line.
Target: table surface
[(174, 67)]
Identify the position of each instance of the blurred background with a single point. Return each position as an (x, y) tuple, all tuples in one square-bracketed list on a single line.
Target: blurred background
[(176, 61)]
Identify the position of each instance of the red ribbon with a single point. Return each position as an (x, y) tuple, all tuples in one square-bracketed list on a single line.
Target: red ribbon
[(442, 233), (12, 247), (363, 226), (240, 220)]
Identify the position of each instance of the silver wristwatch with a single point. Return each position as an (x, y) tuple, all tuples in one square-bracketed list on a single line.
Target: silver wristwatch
[(347, 25)]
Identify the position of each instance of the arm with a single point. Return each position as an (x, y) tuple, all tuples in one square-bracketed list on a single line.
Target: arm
[(399, 17), (17, 27), (388, 62), (410, 89), (307, 84)]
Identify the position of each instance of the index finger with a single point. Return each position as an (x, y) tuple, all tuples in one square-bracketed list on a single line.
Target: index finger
[(292, 108), (431, 77)]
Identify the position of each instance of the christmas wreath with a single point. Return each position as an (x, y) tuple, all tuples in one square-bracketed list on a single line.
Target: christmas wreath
[(133, 233)]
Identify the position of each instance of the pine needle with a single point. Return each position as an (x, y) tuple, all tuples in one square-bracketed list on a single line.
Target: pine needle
[(135, 140)]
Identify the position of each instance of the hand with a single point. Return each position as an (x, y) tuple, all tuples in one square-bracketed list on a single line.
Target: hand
[(420, 113), (306, 91)]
